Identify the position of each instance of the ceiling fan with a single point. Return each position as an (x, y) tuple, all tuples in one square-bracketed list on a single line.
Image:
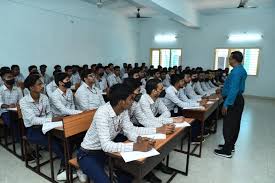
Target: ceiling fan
[(138, 16), (101, 3), (242, 5)]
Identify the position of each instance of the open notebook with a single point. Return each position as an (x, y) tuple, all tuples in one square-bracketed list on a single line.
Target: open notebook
[(135, 155), (51, 125)]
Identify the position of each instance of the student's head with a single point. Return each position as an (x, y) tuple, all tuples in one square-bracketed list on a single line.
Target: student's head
[(62, 80), (32, 68), (134, 73), (15, 70), (186, 76), (85, 67), (171, 71), (235, 58), (194, 76), (55, 72), (111, 67), (93, 67), (100, 71), (34, 83), (69, 70), (75, 68), (154, 88), (201, 76), (141, 73), (124, 65), (57, 67), (117, 70), (143, 64), (136, 65), (43, 68), (121, 96), (133, 85), (88, 77), (163, 75), (8, 77), (177, 81), (187, 68), (156, 74)]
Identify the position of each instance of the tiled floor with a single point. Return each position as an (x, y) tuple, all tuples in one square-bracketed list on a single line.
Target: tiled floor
[(253, 161)]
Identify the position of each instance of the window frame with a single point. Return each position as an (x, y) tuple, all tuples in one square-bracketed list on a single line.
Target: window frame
[(151, 55), (231, 48)]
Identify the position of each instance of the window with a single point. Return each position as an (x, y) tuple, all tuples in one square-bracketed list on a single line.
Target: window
[(250, 62), (166, 57)]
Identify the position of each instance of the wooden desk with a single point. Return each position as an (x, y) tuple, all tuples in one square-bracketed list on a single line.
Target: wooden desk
[(202, 116), (142, 167)]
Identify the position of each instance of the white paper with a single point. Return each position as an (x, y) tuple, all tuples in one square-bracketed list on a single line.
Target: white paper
[(157, 136), (197, 107), (181, 125), (210, 102), (12, 109), (104, 93), (135, 155), (51, 125), (213, 99)]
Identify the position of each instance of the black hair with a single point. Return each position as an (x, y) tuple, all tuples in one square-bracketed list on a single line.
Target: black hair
[(31, 80), (32, 67), (237, 55), (5, 71), (99, 67), (174, 79), (43, 66), (14, 67), (55, 72), (68, 67), (132, 83), (110, 64), (151, 85), (116, 67), (60, 77), (132, 72), (119, 92), (85, 73), (56, 66)]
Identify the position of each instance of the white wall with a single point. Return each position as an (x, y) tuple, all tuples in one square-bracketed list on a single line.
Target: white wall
[(199, 44), (31, 35)]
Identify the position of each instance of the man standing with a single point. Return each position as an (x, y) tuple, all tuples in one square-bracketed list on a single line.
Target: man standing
[(233, 104)]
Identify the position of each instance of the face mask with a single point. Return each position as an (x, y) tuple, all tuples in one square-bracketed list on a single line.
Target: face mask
[(138, 96), (162, 94), (101, 74), (206, 79), (10, 82), (195, 80), (68, 84)]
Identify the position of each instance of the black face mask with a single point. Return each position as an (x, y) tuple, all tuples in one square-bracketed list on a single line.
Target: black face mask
[(201, 80), (138, 96), (195, 80), (101, 74), (10, 82), (162, 94), (206, 79), (68, 84)]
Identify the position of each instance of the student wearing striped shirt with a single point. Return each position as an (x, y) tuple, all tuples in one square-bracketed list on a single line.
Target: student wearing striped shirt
[(190, 92), (36, 111), (88, 96), (51, 87), (110, 120), (62, 100)]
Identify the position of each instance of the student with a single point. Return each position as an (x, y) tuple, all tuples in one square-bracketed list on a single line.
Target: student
[(151, 106), (204, 84), (51, 87), (75, 77), (114, 78), (9, 98), (26, 91), (101, 81), (233, 106), (110, 120), (36, 111), (189, 90), (123, 70), (166, 81), (44, 76), (134, 74), (198, 86), (57, 68), (62, 100), (88, 96), (18, 77)]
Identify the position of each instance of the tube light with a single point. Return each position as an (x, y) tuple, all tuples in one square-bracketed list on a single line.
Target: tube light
[(165, 38), (244, 37)]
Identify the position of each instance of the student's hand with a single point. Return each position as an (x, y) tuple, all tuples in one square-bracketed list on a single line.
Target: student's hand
[(12, 106), (58, 118), (205, 97), (166, 129), (224, 111), (218, 91), (203, 102), (179, 119), (143, 145)]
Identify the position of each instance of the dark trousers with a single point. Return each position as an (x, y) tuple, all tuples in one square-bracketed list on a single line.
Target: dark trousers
[(92, 163), (35, 136), (10, 119), (232, 122), (195, 126)]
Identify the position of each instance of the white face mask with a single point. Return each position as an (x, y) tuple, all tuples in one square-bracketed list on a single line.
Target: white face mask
[(224, 74)]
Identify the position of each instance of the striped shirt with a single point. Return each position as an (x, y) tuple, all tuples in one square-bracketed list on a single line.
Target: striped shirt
[(51, 87), (45, 79), (101, 83), (171, 99), (190, 93), (35, 113), (106, 125), (151, 109), (75, 78), (198, 89), (19, 78), (88, 98), (113, 79), (9, 96), (183, 97), (62, 104)]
